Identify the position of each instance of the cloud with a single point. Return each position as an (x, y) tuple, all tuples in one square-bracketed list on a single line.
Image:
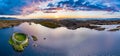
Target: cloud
[(16, 6), (7, 6), (89, 5)]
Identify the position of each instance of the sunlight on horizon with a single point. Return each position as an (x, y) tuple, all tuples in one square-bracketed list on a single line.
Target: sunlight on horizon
[(66, 14)]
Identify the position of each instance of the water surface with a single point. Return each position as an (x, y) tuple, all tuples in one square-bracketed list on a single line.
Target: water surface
[(62, 41)]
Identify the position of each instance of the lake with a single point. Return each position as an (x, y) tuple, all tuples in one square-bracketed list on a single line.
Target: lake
[(62, 41)]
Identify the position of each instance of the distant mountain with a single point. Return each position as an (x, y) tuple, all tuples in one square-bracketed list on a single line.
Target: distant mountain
[(7, 18)]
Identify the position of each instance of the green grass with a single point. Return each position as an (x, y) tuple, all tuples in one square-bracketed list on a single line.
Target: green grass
[(20, 36), (50, 24), (18, 47), (11, 41)]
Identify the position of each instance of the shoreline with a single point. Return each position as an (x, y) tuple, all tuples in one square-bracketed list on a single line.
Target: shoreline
[(69, 23)]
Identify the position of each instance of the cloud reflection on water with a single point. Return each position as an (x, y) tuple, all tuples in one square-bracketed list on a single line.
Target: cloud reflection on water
[(79, 42)]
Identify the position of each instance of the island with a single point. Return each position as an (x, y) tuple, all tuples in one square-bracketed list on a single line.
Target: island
[(19, 41), (115, 29)]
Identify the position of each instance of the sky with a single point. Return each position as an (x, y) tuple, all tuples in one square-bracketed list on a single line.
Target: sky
[(66, 8)]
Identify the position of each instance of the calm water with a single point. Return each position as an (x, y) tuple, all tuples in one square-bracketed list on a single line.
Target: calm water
[(62, 41)]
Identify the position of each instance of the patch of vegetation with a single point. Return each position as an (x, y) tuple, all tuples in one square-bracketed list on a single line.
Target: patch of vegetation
[(50, 24), (18, 48), (20, 41), (11, 42), (20, 36)]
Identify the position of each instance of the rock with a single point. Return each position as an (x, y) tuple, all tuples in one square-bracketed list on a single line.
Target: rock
[(44, 38), (34, 38), (118, 27), (115, 29), (30, 23), (100, 29), (35, 45)]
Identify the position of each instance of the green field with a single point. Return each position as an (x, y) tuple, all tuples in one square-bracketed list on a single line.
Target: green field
[(20, 36)]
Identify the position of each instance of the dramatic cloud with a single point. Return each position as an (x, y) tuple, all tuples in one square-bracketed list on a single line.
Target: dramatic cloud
[(16, 6), (9, 6), (106, 5)]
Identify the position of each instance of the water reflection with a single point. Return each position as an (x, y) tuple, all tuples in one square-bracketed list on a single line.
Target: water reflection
[(65, 42)]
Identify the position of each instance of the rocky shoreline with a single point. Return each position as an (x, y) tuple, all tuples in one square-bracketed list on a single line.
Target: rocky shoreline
[(69, 23)]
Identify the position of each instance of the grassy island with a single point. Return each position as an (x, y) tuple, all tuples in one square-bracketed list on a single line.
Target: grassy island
[(19, 41)]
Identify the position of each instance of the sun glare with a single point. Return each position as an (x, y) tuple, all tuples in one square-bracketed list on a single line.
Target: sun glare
[(56, 16)]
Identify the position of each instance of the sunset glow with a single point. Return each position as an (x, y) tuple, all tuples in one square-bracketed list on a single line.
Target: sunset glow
[(57, 9), (67, 14)]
